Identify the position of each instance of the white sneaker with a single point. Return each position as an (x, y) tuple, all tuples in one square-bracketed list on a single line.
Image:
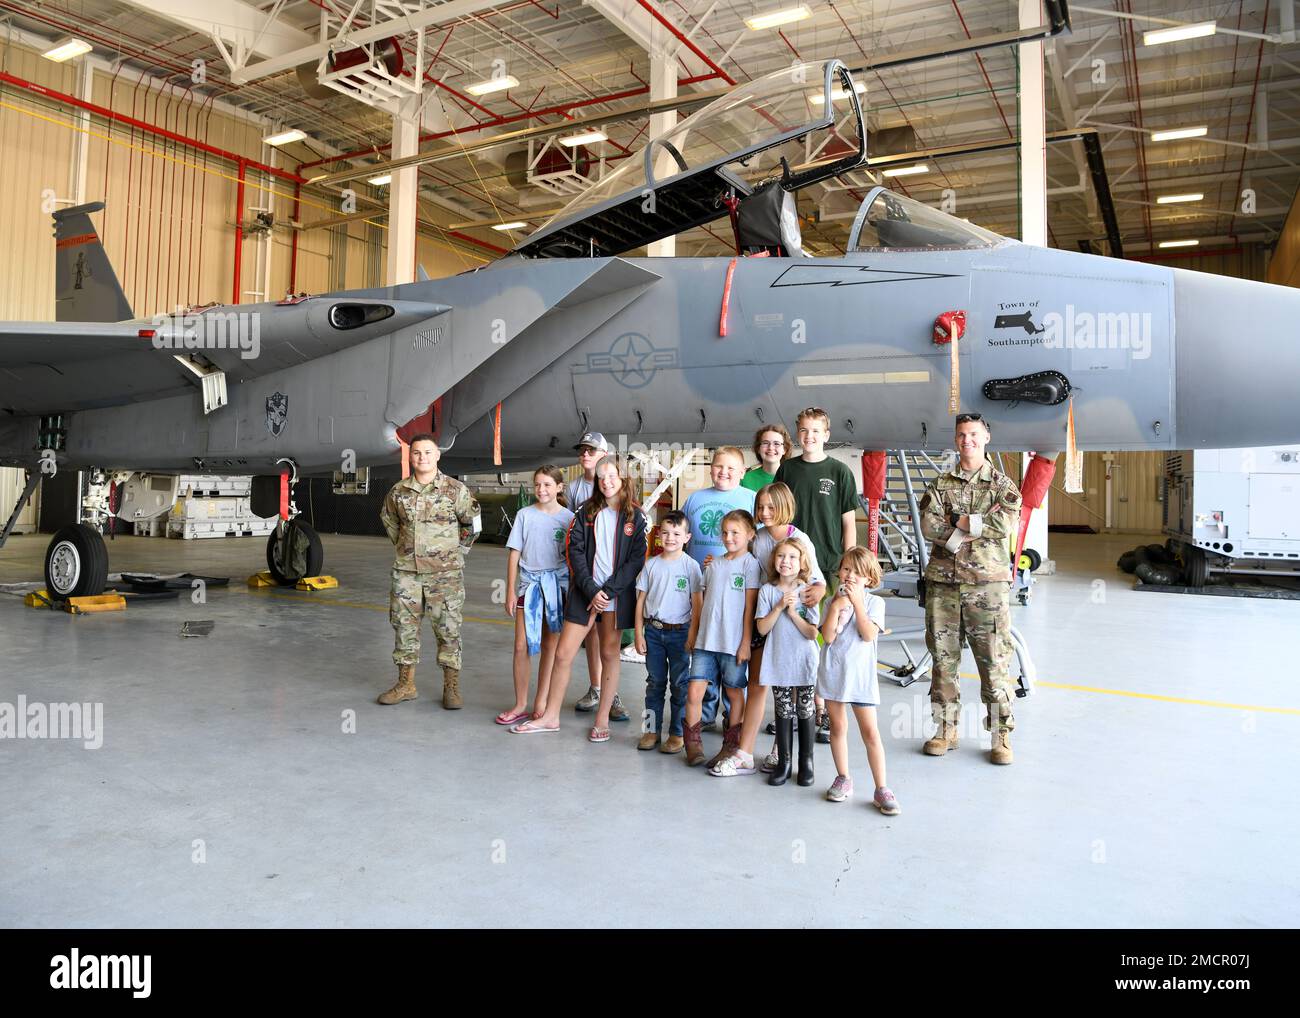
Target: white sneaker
[(589, 700), (630, 654)]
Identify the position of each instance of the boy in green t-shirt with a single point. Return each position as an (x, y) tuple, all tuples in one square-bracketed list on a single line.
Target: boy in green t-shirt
[(826, 504)]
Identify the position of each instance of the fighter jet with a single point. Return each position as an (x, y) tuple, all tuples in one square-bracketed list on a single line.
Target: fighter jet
[(571, 332)]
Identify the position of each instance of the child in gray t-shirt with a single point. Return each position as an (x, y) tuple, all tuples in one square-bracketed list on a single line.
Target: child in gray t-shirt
[(668, 603), (722, 644), (790, 656)]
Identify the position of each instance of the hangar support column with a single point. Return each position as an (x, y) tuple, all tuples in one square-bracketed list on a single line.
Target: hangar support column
[(402, 192), (1031, 105)]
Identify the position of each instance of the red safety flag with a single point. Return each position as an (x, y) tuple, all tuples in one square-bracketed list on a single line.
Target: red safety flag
[(496, 438), (949, 327), (726, 297), (1033, 489), (874, 469)]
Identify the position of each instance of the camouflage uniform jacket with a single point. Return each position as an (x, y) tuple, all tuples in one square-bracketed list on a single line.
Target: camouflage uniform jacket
[(992, 501), (427, 521)]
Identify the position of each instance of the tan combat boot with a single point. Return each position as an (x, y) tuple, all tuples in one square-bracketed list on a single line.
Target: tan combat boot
[(1001, 753), (672, 744), (405, 688), (944, 739), (451, 689)]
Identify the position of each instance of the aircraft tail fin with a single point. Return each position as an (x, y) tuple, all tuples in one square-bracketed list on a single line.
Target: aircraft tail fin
[(86, 287)]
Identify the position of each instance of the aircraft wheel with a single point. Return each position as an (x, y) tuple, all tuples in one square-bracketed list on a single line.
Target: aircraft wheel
[(293, 551), (1197, 566), (76, 562), (1030, 560)]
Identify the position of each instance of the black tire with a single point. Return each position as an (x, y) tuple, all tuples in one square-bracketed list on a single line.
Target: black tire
[(1195, 566), (1157, 555), (76, 562), (1160, 574), (306, 556), (1030, 560), (1128, 562)]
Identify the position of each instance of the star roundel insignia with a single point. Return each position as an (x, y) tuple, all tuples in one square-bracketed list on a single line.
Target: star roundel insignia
[(632, 360)]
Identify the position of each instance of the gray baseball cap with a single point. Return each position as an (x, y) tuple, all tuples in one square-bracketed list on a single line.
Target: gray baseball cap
[(594, 439)]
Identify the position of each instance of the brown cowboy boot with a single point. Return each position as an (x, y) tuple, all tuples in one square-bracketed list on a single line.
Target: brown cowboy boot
[(694, 744), (404, 689), (730, 743), (944, 739), (451, 689)]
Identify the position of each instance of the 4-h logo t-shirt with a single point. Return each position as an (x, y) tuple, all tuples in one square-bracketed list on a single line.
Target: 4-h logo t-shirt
[(669, 586), (539, 537), (705, 509)]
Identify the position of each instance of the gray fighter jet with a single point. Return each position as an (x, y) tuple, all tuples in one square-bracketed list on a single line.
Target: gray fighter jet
[(568, 333)]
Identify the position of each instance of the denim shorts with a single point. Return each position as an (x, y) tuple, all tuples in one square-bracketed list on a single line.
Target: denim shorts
[(712, 666)]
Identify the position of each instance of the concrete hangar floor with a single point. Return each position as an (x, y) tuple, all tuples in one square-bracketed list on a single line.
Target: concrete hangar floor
[(1152, 782)]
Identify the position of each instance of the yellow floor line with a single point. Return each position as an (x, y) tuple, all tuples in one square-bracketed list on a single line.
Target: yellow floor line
[(317, 599), (1158, 697)]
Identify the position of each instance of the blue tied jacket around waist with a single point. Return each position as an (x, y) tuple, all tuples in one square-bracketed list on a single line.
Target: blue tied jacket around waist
[(543, 593)]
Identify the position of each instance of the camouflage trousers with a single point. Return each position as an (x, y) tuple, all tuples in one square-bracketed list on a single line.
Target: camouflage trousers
[(979, 614), (440, 596)]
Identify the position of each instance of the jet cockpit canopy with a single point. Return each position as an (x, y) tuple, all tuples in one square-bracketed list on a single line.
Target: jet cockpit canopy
[(797, 126), (891, 222)]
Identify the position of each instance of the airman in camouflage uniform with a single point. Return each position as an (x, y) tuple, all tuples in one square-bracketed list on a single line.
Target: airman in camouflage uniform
[(968, 514), (430, 525)]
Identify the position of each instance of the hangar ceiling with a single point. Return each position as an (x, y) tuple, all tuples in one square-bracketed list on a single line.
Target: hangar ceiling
[(570, 59)]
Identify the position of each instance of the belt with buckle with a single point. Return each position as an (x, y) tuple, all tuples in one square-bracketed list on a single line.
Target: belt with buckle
[(656, 624)]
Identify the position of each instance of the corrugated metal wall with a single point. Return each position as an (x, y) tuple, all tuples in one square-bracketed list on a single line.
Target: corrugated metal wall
[(1135, 493), (37, 148), (169, 222)]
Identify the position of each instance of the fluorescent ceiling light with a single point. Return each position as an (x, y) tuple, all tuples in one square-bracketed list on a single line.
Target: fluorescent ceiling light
[(1179, 243), (67, 48), (493, 85), (285, 137), (1179, 132), (1173, 199), (1178, 33), (906, 171), (502, 227), (586, 138), (781, 17), (837, 93), (383, 178)]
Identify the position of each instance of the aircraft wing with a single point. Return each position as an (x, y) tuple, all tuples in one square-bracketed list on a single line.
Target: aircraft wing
[(53, 367)]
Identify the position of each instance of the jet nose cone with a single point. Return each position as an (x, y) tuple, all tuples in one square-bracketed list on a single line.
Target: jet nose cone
[(1237, 347)]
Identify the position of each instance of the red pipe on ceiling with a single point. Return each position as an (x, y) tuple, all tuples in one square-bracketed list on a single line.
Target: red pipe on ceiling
[(655, 13), (162, 132)]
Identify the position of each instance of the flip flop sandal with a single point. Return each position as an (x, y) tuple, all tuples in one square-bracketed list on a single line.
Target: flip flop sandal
[(512, 717), (528, 728), (598, 735), (731, 766)]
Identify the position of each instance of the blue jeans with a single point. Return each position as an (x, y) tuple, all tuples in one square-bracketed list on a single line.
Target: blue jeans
[(666, 663), (718, 670)]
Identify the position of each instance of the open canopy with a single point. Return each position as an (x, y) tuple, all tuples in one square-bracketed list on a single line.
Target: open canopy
[(892, 222), (798, 125)]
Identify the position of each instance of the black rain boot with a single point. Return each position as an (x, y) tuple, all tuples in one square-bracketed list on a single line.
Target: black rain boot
[(807, 735), (784, 737)]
